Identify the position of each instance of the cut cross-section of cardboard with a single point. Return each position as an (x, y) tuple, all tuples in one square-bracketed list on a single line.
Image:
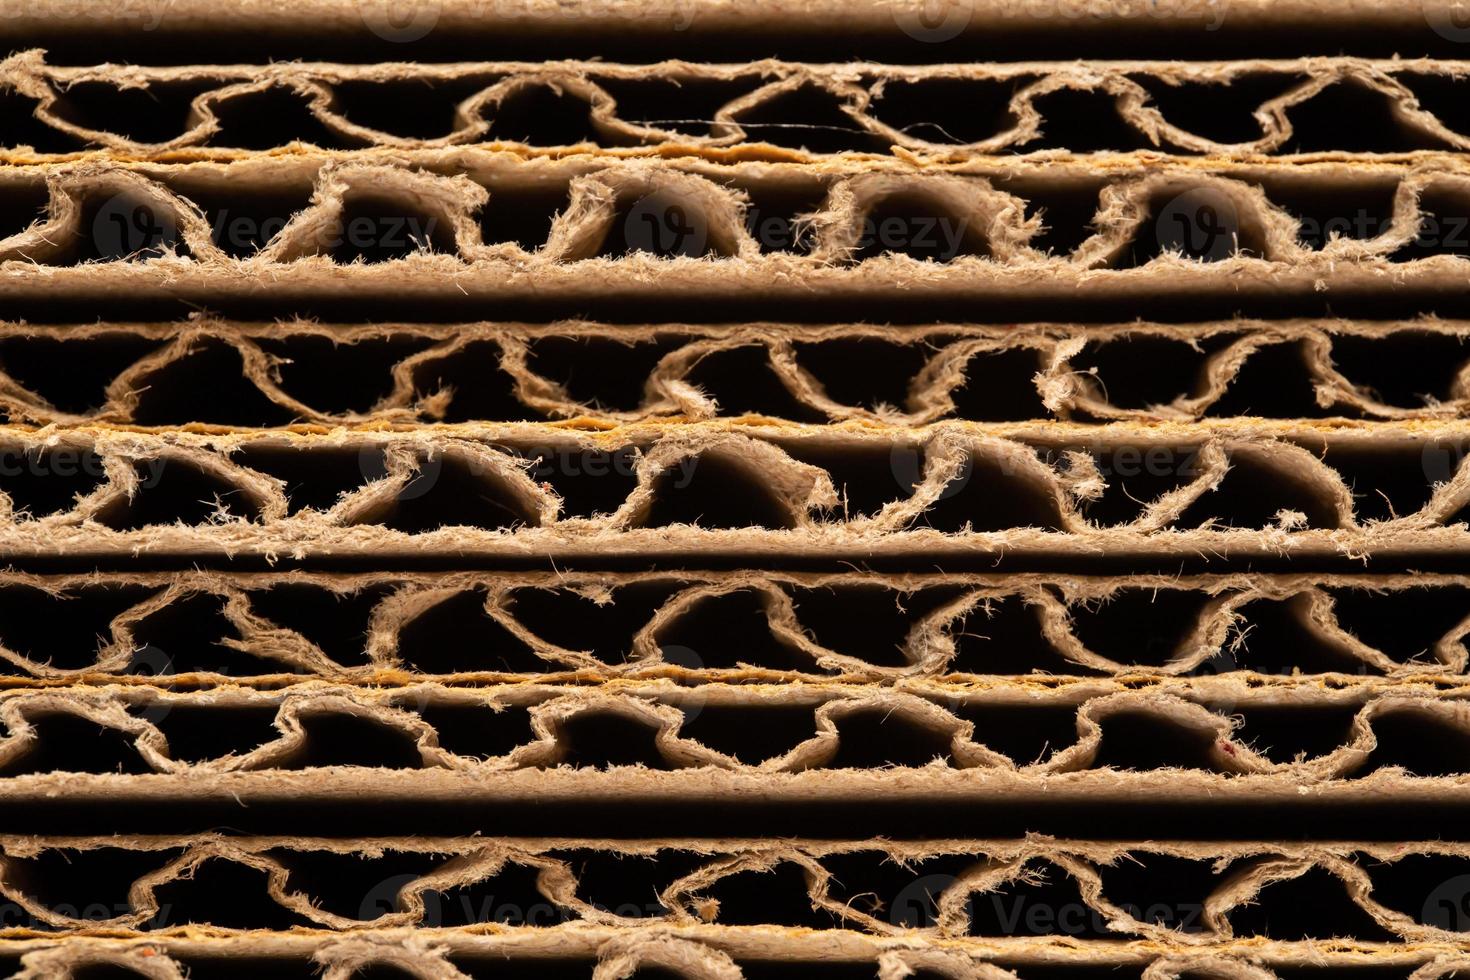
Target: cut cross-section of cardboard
[(1218, 638), (983, 897), (972, 490), (601, 954), (772, 109), (762, 492), (462, 227), (300, 372), (826, 739)]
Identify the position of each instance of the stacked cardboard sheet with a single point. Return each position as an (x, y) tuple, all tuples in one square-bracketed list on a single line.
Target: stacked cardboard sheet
[(735, 489)]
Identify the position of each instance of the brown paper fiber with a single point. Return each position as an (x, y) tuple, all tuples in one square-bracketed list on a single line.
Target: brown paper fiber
[(479, 103), (1382, 740), (726, 488), (712, 29), (685, 230), (414, 373), (1221, 638), (616, 490), (600, 953), (954, 890)]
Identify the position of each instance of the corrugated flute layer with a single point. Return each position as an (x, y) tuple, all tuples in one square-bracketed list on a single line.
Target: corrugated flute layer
[(736, 516)]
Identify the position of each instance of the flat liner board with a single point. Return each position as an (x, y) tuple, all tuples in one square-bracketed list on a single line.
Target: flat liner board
[(735, 490)]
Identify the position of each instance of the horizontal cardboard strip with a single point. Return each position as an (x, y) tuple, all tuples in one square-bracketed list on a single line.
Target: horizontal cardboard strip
[(599, 953), (931, 787), (169, 374), (1219, 639), (1294, 736), (737, 491), (905, 29), (806, 110), (980, 897), (687, 214), (669, 233)]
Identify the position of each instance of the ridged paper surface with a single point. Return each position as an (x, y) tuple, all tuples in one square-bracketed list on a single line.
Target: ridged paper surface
[(735, 490)]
